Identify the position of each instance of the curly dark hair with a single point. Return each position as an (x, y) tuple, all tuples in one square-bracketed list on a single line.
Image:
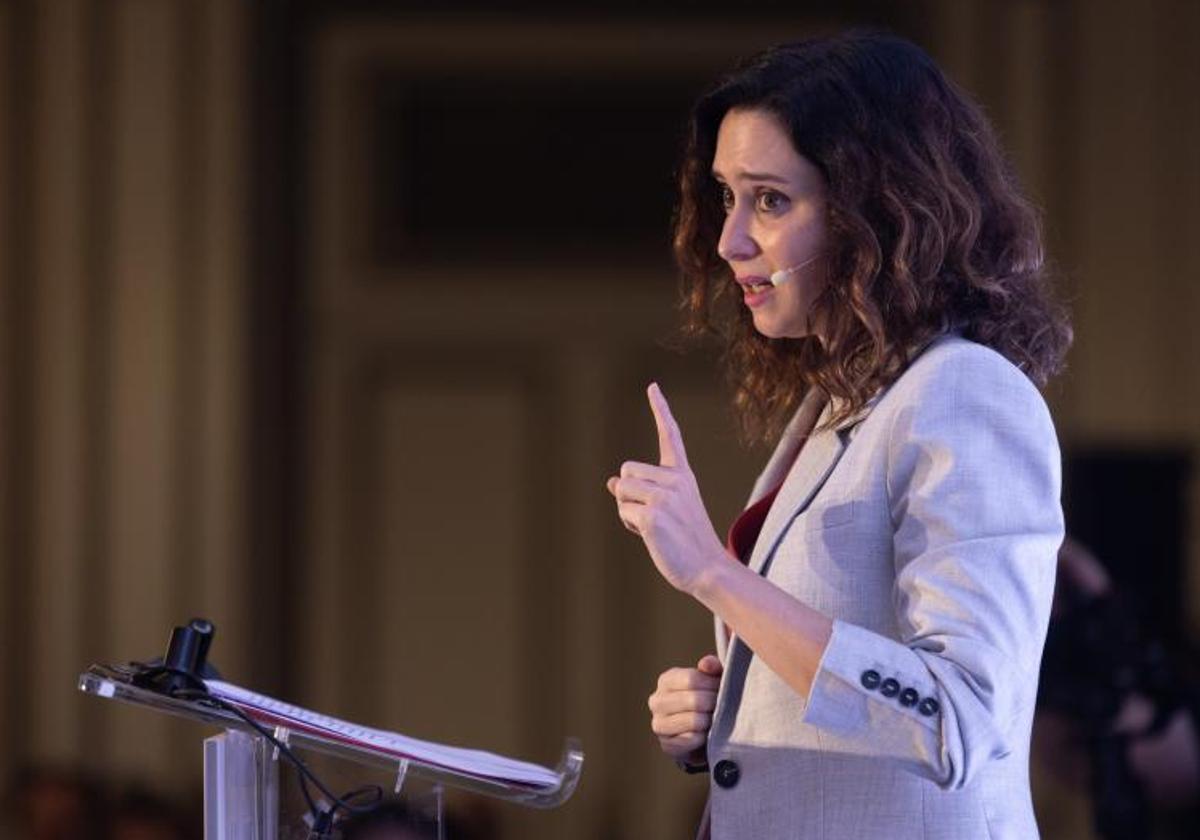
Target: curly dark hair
[(928, 228)]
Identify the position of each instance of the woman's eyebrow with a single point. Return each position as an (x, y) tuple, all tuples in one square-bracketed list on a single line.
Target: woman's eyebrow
[(753, 176)]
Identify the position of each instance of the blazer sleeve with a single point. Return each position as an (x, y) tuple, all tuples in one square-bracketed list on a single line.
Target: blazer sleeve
[(973, 478)]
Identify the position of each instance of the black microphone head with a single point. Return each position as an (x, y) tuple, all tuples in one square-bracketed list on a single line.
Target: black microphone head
[(202, 625), (185, 665), (183, 650), (204, 630)]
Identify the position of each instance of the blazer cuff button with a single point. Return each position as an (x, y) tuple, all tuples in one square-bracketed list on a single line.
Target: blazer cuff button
[(909, 697), (889, 687), (870, 680), (928, 707)]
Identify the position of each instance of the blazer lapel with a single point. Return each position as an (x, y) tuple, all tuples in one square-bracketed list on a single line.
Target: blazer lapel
[(818, 455), (790, 442), (812, 466), (813, 408)]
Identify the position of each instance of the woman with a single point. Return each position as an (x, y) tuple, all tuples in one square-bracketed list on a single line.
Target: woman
[(850, 230)]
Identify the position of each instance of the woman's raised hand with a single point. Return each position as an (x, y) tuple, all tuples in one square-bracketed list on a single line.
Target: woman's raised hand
[(681, 709), (661, 503)]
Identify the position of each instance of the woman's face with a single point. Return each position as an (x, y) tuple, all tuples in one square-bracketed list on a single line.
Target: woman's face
[(774, 219)]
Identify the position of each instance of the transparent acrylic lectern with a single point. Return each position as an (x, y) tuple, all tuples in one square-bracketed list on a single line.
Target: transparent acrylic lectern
[(242, 768)]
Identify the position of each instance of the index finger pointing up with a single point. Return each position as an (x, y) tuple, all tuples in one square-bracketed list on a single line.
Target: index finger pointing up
[(670, 440)]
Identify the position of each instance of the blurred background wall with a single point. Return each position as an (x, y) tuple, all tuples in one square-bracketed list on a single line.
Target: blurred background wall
[(327, 321)]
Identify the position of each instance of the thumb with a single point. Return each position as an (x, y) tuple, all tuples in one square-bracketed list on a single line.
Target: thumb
[(710, 665)]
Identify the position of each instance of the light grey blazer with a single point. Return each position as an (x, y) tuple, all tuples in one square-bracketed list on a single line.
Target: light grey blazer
[(927, 527)]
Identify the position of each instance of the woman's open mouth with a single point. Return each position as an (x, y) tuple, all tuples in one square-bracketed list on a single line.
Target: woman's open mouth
[(755, 291)]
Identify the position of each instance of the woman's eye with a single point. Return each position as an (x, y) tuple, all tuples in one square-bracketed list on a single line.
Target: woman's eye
[(770, 201), (726, 196), (767, 201)]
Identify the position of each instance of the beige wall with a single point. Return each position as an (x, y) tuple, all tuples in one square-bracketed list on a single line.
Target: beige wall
[(1096, 104), (7, 708), (128, 278), (126, 405)]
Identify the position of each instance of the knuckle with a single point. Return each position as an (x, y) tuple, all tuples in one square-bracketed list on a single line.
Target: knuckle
[(676, 745)]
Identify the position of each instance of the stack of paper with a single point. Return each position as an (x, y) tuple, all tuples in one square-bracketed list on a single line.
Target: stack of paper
[(475, 763)]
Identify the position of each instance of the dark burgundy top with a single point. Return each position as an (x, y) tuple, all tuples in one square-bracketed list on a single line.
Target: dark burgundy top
[(743, 533)]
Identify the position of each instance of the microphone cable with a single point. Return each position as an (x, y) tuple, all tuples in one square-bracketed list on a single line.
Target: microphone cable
[(195, 690)]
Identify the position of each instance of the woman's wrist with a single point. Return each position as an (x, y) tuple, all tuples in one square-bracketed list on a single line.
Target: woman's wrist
[(713, 579)]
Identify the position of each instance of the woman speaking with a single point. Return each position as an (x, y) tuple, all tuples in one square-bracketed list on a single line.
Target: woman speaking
[(851, 232)]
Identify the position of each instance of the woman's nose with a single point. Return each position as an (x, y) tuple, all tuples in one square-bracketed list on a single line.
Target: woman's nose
[(736, 243)]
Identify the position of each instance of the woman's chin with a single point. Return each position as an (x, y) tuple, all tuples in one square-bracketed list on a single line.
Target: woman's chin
[(769, 327)]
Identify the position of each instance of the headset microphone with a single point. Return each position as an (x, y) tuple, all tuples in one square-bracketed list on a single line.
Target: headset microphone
[(781, 276)]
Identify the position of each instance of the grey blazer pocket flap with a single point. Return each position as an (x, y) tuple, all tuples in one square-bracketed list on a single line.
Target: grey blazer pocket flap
[(828, 515)]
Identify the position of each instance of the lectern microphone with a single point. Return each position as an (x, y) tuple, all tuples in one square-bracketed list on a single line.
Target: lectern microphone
[(185, 665)]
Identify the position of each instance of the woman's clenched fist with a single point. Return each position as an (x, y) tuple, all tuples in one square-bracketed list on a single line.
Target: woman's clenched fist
[(681, 709)]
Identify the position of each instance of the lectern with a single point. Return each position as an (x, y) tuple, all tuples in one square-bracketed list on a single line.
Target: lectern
[(242, 763)]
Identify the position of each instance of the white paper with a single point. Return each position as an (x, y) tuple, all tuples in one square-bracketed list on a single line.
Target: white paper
[(470, 762)]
